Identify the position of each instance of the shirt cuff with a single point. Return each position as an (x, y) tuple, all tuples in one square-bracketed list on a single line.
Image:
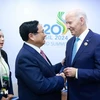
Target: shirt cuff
[(76, 76)]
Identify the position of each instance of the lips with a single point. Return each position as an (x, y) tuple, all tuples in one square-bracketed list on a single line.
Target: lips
[(71, 31), (1, 44)]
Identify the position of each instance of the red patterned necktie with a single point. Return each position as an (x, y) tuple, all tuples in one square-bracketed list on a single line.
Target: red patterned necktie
[(43, 55)]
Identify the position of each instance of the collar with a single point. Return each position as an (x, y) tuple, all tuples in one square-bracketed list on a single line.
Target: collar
[(34, 47), (83, 35)]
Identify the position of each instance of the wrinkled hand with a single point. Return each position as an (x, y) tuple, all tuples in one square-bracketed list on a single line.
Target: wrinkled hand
[(70, 71), (63, 75)]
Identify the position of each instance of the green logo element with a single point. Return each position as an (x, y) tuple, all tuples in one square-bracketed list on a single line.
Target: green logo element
[(61, 22)]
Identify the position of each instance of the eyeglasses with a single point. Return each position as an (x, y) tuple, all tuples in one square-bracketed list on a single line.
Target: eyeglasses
[(41, 31)]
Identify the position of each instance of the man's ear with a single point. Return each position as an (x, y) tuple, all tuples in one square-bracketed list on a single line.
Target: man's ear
[(82, 20), (31, 36)]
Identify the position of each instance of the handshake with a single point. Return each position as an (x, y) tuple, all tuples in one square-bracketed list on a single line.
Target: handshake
[(68, 72), (63, 75)]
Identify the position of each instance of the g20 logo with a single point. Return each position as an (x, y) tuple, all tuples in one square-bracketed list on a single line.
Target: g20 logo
[(58, 28), (55, 29)]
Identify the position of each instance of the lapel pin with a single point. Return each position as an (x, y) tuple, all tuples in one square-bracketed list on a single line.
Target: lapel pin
[(85, 43), (87, 40)]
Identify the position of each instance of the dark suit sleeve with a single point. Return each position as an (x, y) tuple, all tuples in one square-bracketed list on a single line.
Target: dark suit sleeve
[(37, 79), (57, 67), (91, 75)]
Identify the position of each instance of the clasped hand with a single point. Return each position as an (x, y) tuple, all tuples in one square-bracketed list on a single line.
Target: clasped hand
[(63, 75), (70, 72)]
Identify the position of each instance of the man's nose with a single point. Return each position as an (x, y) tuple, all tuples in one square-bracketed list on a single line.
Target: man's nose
[(67, 25)]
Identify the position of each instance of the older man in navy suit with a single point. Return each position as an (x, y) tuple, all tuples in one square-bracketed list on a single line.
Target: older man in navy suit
[(37, 77), (82, 70)]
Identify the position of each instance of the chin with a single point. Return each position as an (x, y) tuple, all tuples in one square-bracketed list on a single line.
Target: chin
[(73, 34), (1, 47), (43, 43)]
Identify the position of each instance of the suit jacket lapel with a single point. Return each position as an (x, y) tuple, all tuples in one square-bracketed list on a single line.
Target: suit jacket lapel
[(39, 57), (49, 66), (83, 45), (70, 49), (49, 61)]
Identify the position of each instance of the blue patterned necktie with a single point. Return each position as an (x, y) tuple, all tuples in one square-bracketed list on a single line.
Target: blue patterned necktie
[(75, 48)]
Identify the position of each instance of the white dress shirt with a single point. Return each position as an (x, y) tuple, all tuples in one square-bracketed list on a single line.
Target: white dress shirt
[(82, 37)]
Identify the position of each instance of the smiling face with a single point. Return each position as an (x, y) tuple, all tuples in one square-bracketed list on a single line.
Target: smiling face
[(1, 39), (75, 22), (39, 38)]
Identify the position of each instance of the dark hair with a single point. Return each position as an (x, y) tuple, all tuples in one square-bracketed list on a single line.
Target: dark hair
[(28, 27)]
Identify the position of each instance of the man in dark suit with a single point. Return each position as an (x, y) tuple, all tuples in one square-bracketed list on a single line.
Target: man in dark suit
[(83, 71), (37, 77)]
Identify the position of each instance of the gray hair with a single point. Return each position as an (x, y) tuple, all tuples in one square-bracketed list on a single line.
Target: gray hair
[(80, 13)]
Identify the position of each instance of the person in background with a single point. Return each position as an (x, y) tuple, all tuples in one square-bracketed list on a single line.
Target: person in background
[(37, 78), (6, 90), (83, 69)]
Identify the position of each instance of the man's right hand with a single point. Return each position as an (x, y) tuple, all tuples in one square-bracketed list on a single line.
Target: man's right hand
[(63, 75)]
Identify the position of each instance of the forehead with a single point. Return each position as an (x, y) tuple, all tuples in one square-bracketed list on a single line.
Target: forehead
[(70, 16), (39, 27)]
